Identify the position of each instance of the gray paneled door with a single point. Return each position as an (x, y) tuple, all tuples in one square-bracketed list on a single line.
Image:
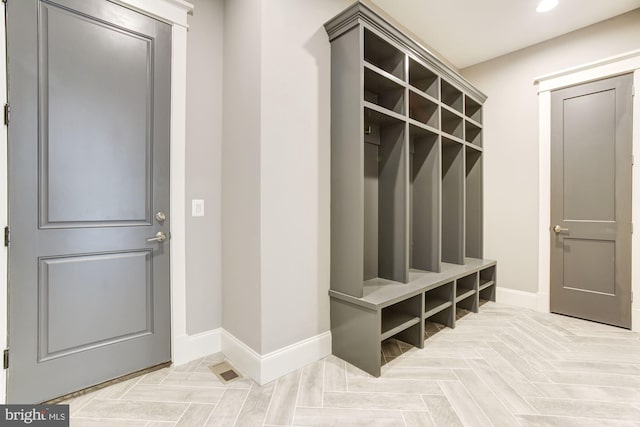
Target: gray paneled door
[(591, 201), (89, 89)]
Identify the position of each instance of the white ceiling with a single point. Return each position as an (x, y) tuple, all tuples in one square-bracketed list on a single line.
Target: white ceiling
[(467, 32)]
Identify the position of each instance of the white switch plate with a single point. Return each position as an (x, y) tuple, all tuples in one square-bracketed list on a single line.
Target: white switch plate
[(197, 207)]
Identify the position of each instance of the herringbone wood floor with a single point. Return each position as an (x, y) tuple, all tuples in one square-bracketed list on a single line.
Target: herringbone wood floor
[(504, 366)]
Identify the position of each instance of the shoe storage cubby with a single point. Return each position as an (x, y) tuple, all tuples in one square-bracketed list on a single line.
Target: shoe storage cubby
[(467, 292), (406, 189), (487, 284)]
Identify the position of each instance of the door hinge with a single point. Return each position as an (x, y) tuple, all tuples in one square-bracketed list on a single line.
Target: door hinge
[(7, 114), (5, 359), (7, 236)]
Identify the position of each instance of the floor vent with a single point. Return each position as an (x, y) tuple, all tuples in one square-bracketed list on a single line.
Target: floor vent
[(225, 372)]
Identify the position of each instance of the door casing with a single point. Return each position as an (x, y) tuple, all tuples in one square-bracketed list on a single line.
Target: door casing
[(609, 67), (174, 12)]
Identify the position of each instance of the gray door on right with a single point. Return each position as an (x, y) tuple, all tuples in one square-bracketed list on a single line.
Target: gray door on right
[(591, 160)]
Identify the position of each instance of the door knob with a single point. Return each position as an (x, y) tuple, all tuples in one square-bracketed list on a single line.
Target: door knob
[(160, 237), (559, 229)]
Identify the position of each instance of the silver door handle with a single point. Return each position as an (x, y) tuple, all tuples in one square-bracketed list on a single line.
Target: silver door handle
[(559, 229), (160, 237)]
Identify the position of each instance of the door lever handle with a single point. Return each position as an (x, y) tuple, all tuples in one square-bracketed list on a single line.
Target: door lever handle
[(160, 237), (559, 229)]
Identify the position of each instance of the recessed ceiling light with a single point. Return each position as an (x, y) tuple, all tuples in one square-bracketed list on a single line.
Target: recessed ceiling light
[(546, 5)]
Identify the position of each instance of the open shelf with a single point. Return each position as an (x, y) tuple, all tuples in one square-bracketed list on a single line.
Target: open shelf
[(472, 109), (385, 190), (382, 91), (473, 202), (394, 322), (383, 55), (423, 79), (466, 292), (424, 223), (423, 110), (452, 123), (487, 285), (472, 133), (452, 202), (438, 305), (397, 318), (450, 96)]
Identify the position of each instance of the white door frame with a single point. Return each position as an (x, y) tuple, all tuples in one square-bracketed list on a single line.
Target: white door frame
[(173, 12), (621, 64)]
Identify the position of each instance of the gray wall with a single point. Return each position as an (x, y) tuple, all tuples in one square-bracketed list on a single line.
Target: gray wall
[(275, 173), (204, 141), (295, 169), (241, 290), (511, 174)]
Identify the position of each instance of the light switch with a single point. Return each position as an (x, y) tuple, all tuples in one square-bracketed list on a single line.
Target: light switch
[(197, 207)]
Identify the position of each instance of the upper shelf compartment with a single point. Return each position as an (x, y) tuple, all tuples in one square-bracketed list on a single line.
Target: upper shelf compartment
[(451, 96), (472, 109), (423, 79), (383, 91), (383, 55)]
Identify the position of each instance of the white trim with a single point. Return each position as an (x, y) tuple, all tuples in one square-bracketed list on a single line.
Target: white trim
[(183, 347), (517, 298), (199, 345), (268, 367), (173, 12), (635, 208), (608, 67), (544, 197), (179, 354), (568, 77), (4, 203)]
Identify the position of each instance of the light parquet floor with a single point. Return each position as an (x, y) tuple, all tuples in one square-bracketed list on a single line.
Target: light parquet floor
[(504, 366)]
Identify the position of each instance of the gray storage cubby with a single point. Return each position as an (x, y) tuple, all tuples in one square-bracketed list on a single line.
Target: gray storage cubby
[(467, 292), (402, 320), (383, 54), (473, 203), (452, 123), (423, 79), (424, 170), (472, 133), (439, 305), (452, 201), (383, 91), (451, 96), (385, 198), (406, 189), (423, 110), (472, 109), (487, 284)]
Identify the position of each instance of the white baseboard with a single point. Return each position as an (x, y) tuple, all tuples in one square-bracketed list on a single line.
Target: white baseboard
[(191, 347), (635, 320), (544, 302), (268, 367), (517, 298)]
